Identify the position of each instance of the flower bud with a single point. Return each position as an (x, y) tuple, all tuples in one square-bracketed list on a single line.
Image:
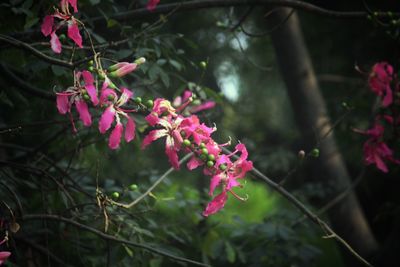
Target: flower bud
[(121, 69), (110, 97), (86, 97), (140, 60), (137, 100), (222, 167), (115, 195), (301, 154), (186, 142), (210, 163), (211, 157), (315, 153), (149, 103), (202, 145), (133, 187), (204, 151), (203, 64)]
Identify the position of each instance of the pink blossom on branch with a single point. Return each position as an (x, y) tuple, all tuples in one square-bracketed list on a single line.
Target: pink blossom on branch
[(114, 111), (379, 81), (49, 27), (152, 4)]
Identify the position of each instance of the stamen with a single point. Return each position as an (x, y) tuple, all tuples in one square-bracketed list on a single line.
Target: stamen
[(184, 105), (238, 197)]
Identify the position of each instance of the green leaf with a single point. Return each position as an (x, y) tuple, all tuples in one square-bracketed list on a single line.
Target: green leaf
[(111, 23), (175, 64), (164, 78), (230, 252), (30, 21)]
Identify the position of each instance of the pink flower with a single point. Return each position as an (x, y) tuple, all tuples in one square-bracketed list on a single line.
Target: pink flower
[(226, 173), (170, 128), (49, 27), (152, 4), (3, 256), (113, 111), (375, 150), (123, 68), (78, 95), (379, 82), (186, 95)]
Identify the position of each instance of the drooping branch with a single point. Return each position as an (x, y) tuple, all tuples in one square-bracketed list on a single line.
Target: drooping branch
[(109, 237), (203, 4)]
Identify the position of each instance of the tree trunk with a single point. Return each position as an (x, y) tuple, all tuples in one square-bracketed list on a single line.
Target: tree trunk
[(310, 111)]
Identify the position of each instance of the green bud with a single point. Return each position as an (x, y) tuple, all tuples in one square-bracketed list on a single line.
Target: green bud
[(203, 156), (393, 21), (102, 76), (203, 64), (91, 62), (115, 195), (210, 163), (86, 97), (202, 145), (133, 187), (204, 151), (110, 97), (91, 68), (222, 167), (315, 153), (196, 102), (186, 142), (137, 100), (149, 103), (211, 157), (183, 133), (62, 37), (344, 104)]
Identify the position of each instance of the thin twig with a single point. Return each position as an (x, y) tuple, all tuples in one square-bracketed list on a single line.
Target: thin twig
[(310, 215), (109, 237), (151, 188)]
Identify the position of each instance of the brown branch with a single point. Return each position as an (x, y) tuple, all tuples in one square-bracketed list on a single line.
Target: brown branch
[(202, 4), (107, 237)]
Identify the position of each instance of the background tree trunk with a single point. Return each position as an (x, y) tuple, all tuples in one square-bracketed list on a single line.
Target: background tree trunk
[(310, 111)]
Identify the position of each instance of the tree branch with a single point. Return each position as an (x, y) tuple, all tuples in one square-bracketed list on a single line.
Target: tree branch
[(201, 4), (109, 237)]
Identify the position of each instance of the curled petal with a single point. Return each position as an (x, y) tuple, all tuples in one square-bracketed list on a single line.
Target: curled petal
[(206, 105), (388, 98), (62, 103), (171, 152), (130, 129), (125, 96), (216, 204), (47, 25), (74, 5), (55, 43), (83, 111), (215, 181), (3, 256), (73, 32), (115, 136), (194, 162), (90, 88), (106, 119), (152, 136)]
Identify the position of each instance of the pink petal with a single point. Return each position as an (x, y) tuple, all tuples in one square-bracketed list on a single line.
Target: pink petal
[(216, 204), (193, 163), (388, 99), (124, 70), (3, 256), (206, 105), (380, 164), (125, 96), (47, 25), (152, 119), (130, 129), (106, 119), (55, 43), (73, 32), (105, 93), (73, 3), (90, 88), (215, 180), (152, 136), (83, 111), (186, 95), (171, 152), (62, 103), (152, 4), (115, 137)]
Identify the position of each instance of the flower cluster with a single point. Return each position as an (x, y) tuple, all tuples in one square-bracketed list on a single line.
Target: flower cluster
[(187, 134), (176, 122), (109, 98), (49, 27), (384, 83)]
